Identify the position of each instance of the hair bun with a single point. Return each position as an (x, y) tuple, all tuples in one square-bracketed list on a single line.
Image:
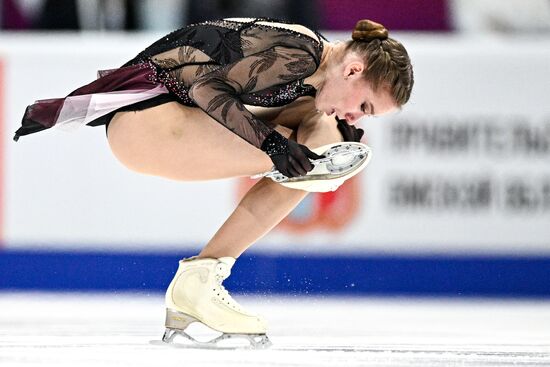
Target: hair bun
[(366, 30)]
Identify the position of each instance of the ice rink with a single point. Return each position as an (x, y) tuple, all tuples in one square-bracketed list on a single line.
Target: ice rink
[(49, 329)]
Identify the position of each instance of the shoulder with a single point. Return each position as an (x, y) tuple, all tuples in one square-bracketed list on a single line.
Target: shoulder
[(290, 35), (293, 27)]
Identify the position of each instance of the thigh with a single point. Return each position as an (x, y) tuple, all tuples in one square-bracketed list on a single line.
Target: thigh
[(181, 143)]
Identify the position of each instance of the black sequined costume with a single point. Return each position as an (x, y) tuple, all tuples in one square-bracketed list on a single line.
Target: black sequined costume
[(217, 66)]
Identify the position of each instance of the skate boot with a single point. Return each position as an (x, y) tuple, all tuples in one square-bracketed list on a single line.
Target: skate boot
[(341, 161), (196, 294)]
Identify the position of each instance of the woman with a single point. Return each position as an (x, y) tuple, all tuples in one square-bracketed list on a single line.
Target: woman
[(276, 88)]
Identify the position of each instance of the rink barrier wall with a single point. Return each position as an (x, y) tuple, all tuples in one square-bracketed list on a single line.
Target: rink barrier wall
[(290, 274)]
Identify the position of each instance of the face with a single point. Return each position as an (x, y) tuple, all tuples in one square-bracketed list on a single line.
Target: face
[(348, 95)]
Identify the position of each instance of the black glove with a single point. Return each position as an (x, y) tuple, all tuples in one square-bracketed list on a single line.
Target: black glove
[(289, 157), (349, 132)]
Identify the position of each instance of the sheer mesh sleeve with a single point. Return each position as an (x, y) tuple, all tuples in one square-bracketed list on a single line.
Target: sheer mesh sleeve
[(218, 93)]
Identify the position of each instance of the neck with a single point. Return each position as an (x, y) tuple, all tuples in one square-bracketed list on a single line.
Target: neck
[(330, 51)]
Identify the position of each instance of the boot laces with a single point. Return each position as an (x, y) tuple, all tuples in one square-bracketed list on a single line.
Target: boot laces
[(222, 272)]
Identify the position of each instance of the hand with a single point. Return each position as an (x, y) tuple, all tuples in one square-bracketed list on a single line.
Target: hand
[(289, 157), (296, 162), (349, 132)]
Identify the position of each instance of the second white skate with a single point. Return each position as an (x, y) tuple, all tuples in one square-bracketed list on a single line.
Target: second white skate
[(196, 295), (341, 162)]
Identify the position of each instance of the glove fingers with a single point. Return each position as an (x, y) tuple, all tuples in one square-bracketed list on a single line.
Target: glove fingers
[(314, 155), (341, 128), (361, 132), (298, 164), (305, 164), (292, 172), (310, 154), (284, 171), (341, 122), (349, 132)]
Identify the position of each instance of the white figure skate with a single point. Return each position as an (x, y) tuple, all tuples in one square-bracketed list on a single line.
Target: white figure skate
[(196, 294), (341, 161)]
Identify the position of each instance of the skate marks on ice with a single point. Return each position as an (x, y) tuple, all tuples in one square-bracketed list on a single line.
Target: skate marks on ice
[(114, 330), (428, 332), (512, 353), (200, 336), (484, 354), (394, 355)]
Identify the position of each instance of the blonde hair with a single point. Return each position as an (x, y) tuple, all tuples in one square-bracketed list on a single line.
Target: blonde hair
[(388, 63)]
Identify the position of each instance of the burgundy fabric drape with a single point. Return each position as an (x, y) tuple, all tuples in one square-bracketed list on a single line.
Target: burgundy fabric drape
[(131, 83)]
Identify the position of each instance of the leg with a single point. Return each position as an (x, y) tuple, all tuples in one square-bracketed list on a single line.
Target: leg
[(181, 143), (184, 143), (262, 208), (267, 202), (196, 292)]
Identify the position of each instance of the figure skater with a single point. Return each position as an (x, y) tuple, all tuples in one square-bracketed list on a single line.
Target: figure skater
[(229, 98)]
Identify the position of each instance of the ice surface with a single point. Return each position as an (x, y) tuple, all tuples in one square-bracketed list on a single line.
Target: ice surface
[(47, 329)]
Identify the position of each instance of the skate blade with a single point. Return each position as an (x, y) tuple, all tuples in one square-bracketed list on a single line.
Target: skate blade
[(177, 327), (173, 338), (341, 160)]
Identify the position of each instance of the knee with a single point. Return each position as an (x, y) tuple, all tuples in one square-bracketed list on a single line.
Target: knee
[(318, 133)]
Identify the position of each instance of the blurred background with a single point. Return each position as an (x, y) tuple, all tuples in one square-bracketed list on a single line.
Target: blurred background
[(455, 202)]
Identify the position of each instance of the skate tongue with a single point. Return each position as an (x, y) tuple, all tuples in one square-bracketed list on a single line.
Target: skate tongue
[(224, 266)]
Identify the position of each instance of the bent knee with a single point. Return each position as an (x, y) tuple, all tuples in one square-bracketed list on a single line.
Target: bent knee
[(319, 131)]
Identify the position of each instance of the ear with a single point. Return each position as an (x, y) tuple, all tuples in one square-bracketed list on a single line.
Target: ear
[(353, 69)]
